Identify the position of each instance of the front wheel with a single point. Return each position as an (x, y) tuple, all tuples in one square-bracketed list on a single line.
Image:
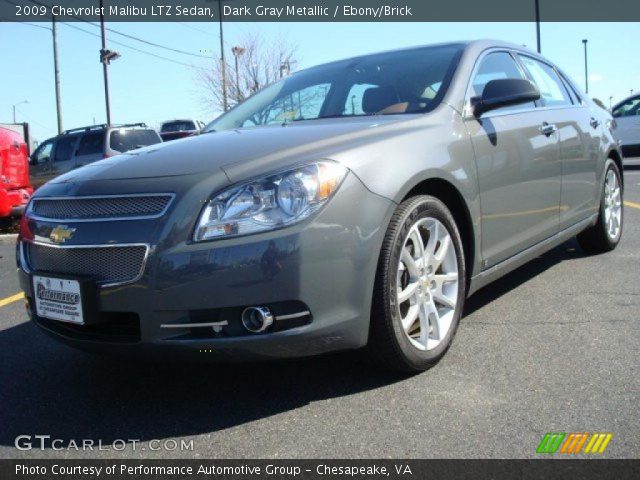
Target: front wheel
[(420, 287), (605, 235)]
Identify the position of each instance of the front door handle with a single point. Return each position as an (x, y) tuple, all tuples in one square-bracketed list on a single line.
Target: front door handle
[(548, 129), (594, 123)]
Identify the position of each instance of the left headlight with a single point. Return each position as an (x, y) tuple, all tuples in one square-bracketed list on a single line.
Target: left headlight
[(270, 202)]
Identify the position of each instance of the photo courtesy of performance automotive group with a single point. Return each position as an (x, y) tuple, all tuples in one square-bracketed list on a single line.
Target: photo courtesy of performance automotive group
[(319, 239)]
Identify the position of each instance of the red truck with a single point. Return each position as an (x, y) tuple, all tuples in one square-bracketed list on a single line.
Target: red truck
[(15, 189)]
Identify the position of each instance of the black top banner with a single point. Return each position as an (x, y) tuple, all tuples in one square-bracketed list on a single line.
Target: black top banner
[(322, 10)]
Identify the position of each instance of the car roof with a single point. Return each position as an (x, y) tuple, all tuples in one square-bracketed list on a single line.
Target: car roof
[(472, 46)]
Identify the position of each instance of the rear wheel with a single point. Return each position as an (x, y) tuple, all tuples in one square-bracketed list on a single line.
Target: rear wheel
[(605, 235), (420, 287)]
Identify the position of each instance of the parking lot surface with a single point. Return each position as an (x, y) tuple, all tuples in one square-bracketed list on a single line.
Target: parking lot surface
[(552, 347)]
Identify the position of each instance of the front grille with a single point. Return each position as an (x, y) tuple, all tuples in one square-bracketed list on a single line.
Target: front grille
[(99, 208), (106, 265)]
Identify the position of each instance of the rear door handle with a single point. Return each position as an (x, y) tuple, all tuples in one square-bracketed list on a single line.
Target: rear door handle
[(594, 123), (548, 129)]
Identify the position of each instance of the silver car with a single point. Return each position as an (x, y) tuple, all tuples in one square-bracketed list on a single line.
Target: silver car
[(627, 117), (351, 205)]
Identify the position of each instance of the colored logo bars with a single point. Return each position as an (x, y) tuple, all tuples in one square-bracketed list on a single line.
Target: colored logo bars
[(573, 443)]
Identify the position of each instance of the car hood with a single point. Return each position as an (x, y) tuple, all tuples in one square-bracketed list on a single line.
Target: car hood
[(237, 153)]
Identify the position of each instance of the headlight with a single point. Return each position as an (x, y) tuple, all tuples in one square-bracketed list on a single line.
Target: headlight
[(270, 202)]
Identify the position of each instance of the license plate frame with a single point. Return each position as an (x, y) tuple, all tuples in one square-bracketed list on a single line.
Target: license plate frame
[(85, 313)]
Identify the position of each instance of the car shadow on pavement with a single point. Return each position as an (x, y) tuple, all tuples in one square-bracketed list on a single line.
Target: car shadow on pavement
[(569, 250), (48, 388)]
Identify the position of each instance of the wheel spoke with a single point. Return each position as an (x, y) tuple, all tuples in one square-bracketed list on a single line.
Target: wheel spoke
[(424, 323), (408, 292), (410, 264), (446, 277), (441, 298), (418, 243), (441, 253)]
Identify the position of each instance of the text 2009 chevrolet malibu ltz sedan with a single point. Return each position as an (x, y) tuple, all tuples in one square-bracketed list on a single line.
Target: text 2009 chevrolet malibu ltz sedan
[(354, 204)]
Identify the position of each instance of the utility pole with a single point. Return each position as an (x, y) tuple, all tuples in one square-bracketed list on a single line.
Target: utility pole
[(538, 25), (104, 62), (106, 56), (586, 68), (14, 108), (56, 73), (223, 64)]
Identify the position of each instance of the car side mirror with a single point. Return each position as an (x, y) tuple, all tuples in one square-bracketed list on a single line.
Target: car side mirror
[(504, 92)]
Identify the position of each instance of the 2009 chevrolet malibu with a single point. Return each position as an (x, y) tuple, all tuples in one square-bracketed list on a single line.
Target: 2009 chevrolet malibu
[(354, 204)]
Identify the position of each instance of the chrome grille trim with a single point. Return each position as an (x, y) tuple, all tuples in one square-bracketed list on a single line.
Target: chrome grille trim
[(99, 208), (25, 260)]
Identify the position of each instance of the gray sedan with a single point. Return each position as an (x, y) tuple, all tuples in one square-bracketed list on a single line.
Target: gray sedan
[(351, 205)]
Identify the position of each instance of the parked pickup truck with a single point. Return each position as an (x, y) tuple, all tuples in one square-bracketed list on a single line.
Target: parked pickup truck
[(15, 189)]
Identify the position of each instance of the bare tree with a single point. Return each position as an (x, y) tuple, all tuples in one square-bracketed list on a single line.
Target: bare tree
[(261, 63)]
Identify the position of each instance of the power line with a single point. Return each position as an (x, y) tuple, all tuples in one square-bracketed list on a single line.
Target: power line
[(132, 37), (26, 23), (187, 25), (133, 48)]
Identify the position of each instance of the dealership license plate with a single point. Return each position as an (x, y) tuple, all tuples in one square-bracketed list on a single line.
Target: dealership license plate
[(58, 299)]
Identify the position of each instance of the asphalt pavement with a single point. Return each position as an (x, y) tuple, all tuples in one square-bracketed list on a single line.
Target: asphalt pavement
[(552, 347)]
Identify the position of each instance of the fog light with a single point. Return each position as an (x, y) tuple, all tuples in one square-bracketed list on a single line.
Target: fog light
[(256, 319)]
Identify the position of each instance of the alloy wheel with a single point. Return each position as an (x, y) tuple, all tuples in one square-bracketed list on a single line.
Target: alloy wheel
[(612, 205), (427, 283)]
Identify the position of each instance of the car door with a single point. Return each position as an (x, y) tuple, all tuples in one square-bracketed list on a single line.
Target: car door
[(578, 134), (627, 115), (63, 154), (90, 148), (519, 170), (40, 164)]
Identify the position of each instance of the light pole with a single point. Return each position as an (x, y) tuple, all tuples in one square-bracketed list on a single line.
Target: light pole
[(586, 68), (237, 51), (538, 25), (610, 101), (14, 108)]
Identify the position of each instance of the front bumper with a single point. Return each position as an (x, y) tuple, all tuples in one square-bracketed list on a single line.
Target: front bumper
[(325, 266)]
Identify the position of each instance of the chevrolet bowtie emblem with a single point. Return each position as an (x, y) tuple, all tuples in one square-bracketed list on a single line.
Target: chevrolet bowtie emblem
[(61, 234)]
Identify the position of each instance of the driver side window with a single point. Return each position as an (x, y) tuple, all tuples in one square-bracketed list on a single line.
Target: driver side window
[(497, 65), (43, 153)]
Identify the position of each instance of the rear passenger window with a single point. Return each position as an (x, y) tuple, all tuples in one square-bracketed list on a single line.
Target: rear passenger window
[(64, 148), (552, 91), (497, 65), (91, 143)]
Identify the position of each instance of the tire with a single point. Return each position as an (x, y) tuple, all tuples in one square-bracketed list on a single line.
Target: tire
[(410, 347), (600, 237)]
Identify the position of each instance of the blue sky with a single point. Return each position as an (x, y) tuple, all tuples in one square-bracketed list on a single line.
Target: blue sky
[(145, 88)]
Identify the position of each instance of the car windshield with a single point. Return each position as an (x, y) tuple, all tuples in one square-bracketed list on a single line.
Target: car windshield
[(177, 126), (408, 81), (123, 140)]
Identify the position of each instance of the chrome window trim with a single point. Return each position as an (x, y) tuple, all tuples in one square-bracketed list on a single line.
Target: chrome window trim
[(24, 263), (101, 219)]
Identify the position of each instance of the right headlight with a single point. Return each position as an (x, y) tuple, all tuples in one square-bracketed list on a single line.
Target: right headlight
[(270, 202)]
